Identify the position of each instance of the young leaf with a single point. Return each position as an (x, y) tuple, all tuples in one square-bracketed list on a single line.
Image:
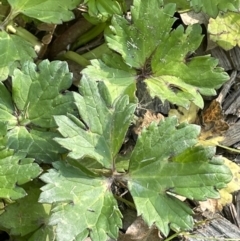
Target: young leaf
[(101, 132), (165, 162), (48, 11), (161, 56), (39, 93), (32, 216), (84, 203)]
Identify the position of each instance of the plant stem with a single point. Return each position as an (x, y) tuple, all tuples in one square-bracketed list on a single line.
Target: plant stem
[(128, 203), (23, 33), (75, 57), (173, 236), (229, 148), (89, 35), (8, 19), (97, 52)]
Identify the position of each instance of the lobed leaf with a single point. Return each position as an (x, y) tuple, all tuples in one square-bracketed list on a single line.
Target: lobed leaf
[(118, 79), (48, 11), (103, 125), (162, 57), (39, 93), (166, 162), (31, 215), (35, 143), (86, 204), (15, 170)]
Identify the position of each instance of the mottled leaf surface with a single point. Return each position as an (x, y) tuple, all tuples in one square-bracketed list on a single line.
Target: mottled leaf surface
[(165, 58), (15, 170), (86, 204), (224, 30), (166, 162), (39, 92), (103, 125)]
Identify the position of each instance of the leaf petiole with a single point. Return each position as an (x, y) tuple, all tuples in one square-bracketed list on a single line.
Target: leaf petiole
[(75, 57), (23, 33)]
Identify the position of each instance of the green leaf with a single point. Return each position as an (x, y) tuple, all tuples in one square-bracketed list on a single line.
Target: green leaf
[(40, 93), (36, 144), (224, 30), (15, 170), (136, 42), (101, 131), (84, 203), (166, 162), (48, 11), (162, 57), (31, 215), (6, 107), (119, 79), (13, 48), (213, 7), (181, 5), (102, 10)]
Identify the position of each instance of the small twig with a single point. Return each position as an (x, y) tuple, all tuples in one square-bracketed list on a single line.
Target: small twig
[(226, 87)]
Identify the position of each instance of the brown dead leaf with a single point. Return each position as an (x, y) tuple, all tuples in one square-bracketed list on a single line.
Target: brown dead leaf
[(139, 231), (214, 125), (145, 121), (208, 205), (213, 118)]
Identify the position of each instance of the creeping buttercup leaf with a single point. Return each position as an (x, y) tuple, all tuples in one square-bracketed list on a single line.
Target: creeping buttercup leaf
[(166, 162), (85, 204), (224, 30), (32, 215), (103, 125), (48, 11), (36, 144), (162, 57), (15, 170), (39, 92), (119, 78), (13, 48), (37, 95)]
